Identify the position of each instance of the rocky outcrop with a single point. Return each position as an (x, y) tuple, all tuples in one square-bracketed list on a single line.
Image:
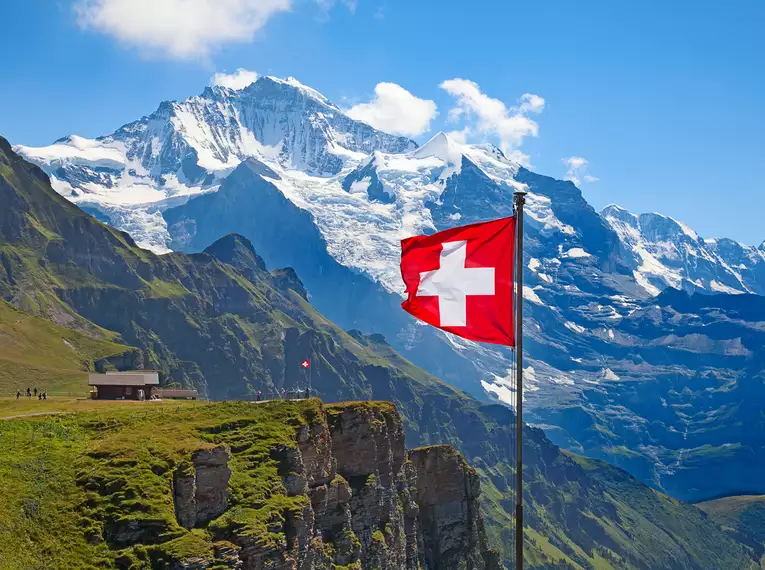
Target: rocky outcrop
[(368, 445), (447, 492), (357, 500), (200, 489)]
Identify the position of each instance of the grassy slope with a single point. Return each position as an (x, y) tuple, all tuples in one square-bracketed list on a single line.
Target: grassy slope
[(82, 475), (35, 352), (742, 516)]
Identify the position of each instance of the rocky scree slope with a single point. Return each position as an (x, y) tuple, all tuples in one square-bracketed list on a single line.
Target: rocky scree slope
[(230, 330)]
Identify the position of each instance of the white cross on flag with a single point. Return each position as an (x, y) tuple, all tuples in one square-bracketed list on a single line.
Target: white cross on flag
[(461, 280), (306, 364)]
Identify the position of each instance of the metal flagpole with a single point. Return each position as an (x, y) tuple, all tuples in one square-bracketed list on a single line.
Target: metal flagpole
[(520, 200)]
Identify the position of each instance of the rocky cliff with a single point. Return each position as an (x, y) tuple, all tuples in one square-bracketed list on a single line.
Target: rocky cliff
[(368, 503), (271, 486)]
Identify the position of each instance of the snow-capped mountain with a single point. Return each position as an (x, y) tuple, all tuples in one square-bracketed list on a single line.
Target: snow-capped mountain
[(669, 253), (331, 197), (186, 148)]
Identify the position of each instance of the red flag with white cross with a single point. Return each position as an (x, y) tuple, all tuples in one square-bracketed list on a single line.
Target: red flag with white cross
[(461, 280), (306, 363)]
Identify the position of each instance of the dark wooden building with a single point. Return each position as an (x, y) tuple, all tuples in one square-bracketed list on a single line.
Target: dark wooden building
[(131, 385)]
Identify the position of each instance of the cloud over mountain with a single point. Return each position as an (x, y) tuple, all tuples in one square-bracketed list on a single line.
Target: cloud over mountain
[(183, 29), (577, 170), (240, 79), (395, 110), (489, 116)]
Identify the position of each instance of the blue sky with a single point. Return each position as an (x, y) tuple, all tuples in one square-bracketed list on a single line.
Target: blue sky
[(664, 100)]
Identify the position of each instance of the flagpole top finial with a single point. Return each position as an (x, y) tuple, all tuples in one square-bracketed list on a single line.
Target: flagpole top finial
[(519, 196)]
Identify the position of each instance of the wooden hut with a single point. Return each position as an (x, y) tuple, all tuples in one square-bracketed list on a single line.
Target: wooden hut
[(130, 385)]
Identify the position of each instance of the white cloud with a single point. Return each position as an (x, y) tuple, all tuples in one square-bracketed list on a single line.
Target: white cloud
[(395, 110), (532, 103), (240, 79), (327, 5), (178, 28), (459, 136), (575, 162), (577, 170), (511, 125)]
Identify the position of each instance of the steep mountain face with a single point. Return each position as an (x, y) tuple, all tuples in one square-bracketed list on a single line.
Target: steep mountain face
[(598, 338), (248, 202), (222, 323), (669, 253), (185, 148)]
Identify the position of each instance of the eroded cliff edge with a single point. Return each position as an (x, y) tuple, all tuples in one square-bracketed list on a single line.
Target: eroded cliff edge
[(290, 486)]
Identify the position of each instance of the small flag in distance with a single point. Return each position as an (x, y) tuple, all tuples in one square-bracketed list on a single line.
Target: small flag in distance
[(306, 363)]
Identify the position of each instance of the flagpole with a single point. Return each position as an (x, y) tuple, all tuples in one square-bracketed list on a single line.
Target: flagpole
[(520, 200)]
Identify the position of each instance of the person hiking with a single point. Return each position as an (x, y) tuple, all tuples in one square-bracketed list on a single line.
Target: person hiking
[(39, 396), (29, 393), (308, 393), (259, 396), (35, 391), (45, 395), (18, 394)]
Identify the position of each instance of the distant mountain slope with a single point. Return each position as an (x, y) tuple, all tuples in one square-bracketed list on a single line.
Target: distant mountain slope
[(743, 517), (221, 322), (248, 202), (35, 353), (669, 253)]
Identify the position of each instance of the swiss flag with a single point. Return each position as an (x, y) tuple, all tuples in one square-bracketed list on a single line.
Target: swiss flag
[(461, 280), (306, 364)]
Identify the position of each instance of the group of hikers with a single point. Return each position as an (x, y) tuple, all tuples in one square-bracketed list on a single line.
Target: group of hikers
[(39, 395)]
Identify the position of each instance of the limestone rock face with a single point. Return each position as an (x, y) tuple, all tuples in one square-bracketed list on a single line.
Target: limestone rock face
[(201, 488), (447, 492), (368, 444), (368, 504)]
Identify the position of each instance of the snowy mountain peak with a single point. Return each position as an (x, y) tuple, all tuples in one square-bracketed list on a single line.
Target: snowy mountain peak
[(441, 147), (658, 226), (654, 225), (668, 252), (295, 84), (188, 147), (616, 212)]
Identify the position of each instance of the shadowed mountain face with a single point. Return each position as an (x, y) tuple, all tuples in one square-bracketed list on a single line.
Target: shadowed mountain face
[(615, 369), (221, 322)]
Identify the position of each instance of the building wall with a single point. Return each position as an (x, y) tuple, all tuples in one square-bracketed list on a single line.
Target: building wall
[(117, 392)]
